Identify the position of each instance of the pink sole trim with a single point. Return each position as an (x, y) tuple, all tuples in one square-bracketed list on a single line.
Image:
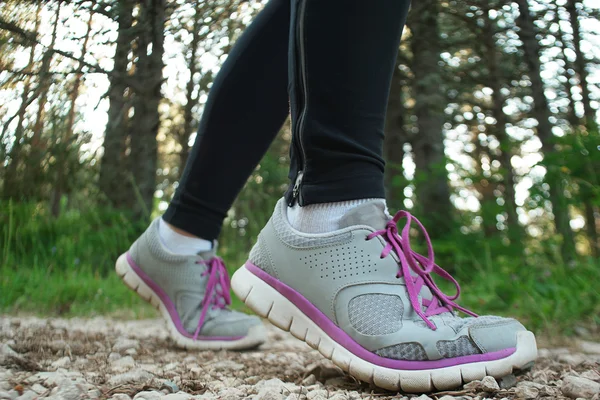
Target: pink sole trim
[(168, 303), (343, 339)]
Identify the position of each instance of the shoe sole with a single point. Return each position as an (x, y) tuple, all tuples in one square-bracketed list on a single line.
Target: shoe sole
[(255, 337), (267, 302)]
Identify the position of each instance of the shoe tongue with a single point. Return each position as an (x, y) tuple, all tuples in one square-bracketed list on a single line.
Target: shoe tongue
[(208, 254), (371, 213)]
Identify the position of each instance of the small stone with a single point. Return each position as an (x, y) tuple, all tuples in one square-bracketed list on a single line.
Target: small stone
[(231, 393), (447, 397), (589, 347), (269, 393), (252, 380), (526, 392), (591, 375), (135, 376), (69, 390), (487, 384), (28, 395), (61, 362), (113, 357), (315, 393), (148, 395), (6, 352), (177, 396), (581, 331), (5, 395), (339, 396), (120, 396), (273, 384), (296, 396), (169, 386), (572, 359), (354, 395), (575, 387), (508, 381), (422, 397), (309, 380), (227, 365), (39, 389), (123, 344), (123, 364)]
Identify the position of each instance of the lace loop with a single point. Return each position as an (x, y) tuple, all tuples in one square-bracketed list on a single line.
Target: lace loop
[(218, 289), (422, 266)]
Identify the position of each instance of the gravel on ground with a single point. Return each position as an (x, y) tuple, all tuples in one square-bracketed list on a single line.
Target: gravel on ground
[(101, 358)]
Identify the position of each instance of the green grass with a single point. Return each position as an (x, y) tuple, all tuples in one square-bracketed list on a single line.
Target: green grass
[(64, 267)]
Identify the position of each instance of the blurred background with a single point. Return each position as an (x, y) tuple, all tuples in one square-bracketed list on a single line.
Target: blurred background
[(492, 141)]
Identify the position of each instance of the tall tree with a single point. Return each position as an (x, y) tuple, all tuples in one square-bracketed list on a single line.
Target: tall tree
[(191, 92), (541, 112), (148, 80), (580, 63), (61, 183), (12, 184), (496, 81), (431, 184), (112, 181)]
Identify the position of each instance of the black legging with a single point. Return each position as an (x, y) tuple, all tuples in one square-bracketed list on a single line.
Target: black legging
[(334, 60)]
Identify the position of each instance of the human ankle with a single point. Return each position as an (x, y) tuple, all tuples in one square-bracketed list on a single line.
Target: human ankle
[(181, 242)]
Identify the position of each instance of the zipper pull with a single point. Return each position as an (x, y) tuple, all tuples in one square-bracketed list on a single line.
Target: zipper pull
[(296, 189)]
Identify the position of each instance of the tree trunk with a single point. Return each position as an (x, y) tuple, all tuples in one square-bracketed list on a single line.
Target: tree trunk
[(431, 180), (146, 120), (580, 65), (191, 99), (33, 167), (12, 184), (541, 113), (495, 82), (112, 180), (395, 137), (61, 181)]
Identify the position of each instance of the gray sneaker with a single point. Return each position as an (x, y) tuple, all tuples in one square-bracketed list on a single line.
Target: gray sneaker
[(366, 301), (191, 292)]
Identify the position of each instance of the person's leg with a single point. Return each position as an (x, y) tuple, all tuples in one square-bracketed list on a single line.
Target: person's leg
[(175, 266), (345, 53), (341, 69), (246, 107), (354, 289)]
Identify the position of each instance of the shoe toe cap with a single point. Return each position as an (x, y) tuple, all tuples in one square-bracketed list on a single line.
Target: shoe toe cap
[(495, 335)]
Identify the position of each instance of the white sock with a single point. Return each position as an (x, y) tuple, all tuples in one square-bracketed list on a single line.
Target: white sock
[(181, 244), (323, 217)]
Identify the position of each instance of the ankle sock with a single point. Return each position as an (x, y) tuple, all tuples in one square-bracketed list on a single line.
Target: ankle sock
[(323, 217), (181, 244)]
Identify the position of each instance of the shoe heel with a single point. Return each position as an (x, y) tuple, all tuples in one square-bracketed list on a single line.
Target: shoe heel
[(133, 281)]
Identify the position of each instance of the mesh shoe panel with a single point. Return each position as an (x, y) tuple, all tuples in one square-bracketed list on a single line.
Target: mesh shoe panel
[(463, 346), (376, 314), (404, 351)]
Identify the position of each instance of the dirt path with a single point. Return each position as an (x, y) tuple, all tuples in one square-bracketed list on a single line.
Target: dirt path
[(100, 358)]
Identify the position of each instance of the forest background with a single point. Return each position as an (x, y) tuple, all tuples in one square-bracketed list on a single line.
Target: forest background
[(491, 140)]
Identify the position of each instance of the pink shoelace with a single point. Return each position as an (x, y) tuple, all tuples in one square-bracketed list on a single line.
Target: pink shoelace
[(217, 295), (420, 265)]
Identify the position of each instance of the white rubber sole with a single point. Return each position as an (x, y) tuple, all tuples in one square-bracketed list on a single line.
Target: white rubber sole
[(256, 335), (269, 303)]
